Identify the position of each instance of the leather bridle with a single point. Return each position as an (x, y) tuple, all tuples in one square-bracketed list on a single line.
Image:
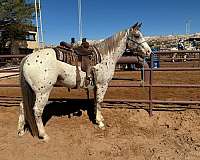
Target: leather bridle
[(138, 44), (138, 52)]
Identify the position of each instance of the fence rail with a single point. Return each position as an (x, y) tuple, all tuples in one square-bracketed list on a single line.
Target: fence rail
[(178, 51), (149, 84)]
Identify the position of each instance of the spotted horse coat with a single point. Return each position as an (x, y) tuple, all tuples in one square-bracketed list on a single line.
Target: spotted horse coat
[(40, 70)]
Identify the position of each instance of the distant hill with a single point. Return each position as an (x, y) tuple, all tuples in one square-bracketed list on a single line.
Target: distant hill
[(169, 41), (172, 37)]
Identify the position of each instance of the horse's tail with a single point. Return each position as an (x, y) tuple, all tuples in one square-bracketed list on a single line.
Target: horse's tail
[(28, 97)]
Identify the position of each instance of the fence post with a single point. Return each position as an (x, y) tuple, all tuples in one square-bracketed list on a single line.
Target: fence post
[(150, 86)]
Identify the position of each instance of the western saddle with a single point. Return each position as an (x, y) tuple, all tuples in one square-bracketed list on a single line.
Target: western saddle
[(83, 55)]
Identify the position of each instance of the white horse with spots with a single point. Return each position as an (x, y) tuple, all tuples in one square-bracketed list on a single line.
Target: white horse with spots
[(40, 70)]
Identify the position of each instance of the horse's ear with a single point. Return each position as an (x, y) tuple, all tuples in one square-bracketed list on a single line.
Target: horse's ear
[(134, 26), (139, 25)]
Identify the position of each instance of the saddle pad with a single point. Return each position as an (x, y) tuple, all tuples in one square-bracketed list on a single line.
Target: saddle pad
[(71, 57)]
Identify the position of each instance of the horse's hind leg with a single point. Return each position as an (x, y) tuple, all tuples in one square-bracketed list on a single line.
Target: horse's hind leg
[(21, 121), (99, 95), (41, 101)]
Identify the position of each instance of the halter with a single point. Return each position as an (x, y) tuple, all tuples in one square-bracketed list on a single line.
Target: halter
[(139, 55), (136, 48), (138, 44)]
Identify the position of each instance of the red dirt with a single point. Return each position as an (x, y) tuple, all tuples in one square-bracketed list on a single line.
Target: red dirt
[(130, 133)]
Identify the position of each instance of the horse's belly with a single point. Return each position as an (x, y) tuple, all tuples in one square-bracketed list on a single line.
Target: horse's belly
[(66, 83), (68, 78)]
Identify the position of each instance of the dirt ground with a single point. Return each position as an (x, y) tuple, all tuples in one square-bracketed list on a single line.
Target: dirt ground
[(130, 133)]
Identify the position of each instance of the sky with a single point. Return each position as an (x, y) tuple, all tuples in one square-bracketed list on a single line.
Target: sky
[(103, 18)]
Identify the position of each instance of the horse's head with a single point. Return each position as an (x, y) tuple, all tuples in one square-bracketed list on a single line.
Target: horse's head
[(136, 41)]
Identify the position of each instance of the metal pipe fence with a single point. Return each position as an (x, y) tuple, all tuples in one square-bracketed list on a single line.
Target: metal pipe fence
[(150, 85), (163, 55)]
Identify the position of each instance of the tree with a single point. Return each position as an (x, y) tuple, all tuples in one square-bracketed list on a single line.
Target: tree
[(16, 19)]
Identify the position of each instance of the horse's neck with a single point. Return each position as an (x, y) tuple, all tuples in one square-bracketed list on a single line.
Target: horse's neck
[(113, 48)]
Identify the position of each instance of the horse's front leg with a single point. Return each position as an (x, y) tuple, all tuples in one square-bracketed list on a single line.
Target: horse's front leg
[(100, 91)]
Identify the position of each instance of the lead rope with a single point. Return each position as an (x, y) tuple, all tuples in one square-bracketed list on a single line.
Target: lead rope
[(142, 80)]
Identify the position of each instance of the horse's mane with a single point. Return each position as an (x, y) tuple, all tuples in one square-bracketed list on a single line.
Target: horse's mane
[(111, 43)]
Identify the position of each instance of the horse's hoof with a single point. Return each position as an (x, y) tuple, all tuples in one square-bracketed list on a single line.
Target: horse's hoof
[(102, 128), (101, 125), (20, 133), (46, 139)]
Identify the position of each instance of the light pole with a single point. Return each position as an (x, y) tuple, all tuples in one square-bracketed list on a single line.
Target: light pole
[(39, 23), (80, 20), (187, 26)]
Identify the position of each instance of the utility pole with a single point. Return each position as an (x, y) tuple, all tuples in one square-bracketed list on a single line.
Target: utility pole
[(41, 27), (39, 23), (80, 20), (188, 26)]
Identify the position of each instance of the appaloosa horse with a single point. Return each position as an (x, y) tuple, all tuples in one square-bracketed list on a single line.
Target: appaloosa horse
[(40, 70)]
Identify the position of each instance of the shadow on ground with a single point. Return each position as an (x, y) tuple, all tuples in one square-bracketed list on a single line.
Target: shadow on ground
[(69, 107)]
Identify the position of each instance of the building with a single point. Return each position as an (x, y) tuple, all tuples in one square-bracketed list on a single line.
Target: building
[(29, 41), (26, 42)]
